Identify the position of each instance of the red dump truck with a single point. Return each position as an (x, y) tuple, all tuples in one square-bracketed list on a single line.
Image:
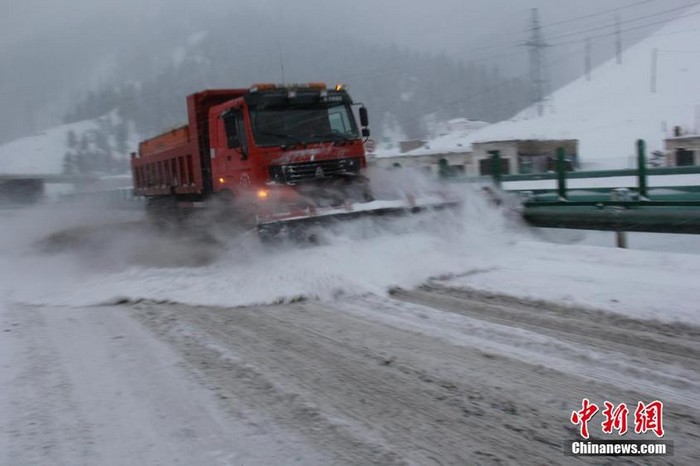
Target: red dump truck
[(272, 155)]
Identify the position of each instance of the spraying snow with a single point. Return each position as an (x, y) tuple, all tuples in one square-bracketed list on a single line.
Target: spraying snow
[(86, 255), (90, 255)]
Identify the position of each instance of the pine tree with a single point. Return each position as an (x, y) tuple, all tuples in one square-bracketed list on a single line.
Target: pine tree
[(377, 76), (72, 140), (70, 163)]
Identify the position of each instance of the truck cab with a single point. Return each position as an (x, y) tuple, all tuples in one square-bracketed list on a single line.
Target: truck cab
[(285, 143)]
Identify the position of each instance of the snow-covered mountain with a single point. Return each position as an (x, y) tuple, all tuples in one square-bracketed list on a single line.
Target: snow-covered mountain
[(653, 90)]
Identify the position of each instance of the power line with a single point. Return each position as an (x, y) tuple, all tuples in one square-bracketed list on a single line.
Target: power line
[(508, 45), (593, 15), (504, 46), (566, 56), (563, 57), (598, 28), (678, 51), (642, 26)]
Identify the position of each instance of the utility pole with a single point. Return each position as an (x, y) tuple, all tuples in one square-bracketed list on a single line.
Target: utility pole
[(588, 58), (618, 40), (654, 61), (537, 75)]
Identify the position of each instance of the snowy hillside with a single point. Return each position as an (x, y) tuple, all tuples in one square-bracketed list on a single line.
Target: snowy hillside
[(618, 105), (621, 102), (45, 152), (41, 153)]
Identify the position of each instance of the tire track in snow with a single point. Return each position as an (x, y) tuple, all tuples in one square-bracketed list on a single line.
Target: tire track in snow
[(665, 354), (363, 379)]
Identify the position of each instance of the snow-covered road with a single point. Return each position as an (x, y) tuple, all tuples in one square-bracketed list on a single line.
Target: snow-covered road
[(426, 376), (459, 338), (92, 387), (390, 381)]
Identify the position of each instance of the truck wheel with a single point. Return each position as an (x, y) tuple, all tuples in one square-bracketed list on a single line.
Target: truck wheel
[(162, 212), (228, 211)]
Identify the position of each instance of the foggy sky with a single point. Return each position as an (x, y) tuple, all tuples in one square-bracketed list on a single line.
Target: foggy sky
[(46, 33), (453, 26)]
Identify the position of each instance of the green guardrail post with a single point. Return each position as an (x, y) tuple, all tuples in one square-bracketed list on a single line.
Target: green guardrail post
[(561, 173), (443, 168), (496, 167), (642, 170)]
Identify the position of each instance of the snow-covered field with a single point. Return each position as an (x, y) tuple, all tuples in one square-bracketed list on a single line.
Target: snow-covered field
[(220, 350)]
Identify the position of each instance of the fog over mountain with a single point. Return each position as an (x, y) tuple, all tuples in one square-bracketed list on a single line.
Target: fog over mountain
[(55, 51)]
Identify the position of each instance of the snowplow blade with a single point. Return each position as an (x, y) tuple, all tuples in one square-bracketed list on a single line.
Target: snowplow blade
[(295, 224)]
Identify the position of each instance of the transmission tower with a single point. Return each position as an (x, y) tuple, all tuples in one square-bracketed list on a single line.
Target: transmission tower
[(538, 81)]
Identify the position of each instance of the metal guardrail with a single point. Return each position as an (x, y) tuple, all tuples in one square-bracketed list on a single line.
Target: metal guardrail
[(603, 173), (622, 218), (49, 177), (668, 210)]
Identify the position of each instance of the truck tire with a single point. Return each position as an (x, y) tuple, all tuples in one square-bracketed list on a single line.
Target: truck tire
[(163, 212), (226, 210)]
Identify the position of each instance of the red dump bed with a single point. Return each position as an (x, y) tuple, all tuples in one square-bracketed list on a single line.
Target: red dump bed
[(173, 138), (177, 161)]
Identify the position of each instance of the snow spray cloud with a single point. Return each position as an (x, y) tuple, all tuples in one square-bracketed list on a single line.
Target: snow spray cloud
[(100, 255)]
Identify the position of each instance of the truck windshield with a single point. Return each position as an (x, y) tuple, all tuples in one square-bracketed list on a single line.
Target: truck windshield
[(295, 124)]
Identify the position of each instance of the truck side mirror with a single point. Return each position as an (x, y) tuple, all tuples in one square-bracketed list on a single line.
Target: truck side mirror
[(364, 119), (365, 132)]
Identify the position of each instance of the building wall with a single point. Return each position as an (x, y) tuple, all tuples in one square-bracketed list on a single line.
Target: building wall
[(548, 147), (480, 151), (428, 162), (469, 163), (677, 149), (540, 152)]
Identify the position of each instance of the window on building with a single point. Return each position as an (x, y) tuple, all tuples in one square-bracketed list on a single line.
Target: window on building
[(685, 157), (486, 167)]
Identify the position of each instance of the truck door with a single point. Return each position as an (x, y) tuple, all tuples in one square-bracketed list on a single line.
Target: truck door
[(233, 158)]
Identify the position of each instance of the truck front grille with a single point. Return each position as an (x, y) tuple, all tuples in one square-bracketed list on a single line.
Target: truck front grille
[(311, 171)]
